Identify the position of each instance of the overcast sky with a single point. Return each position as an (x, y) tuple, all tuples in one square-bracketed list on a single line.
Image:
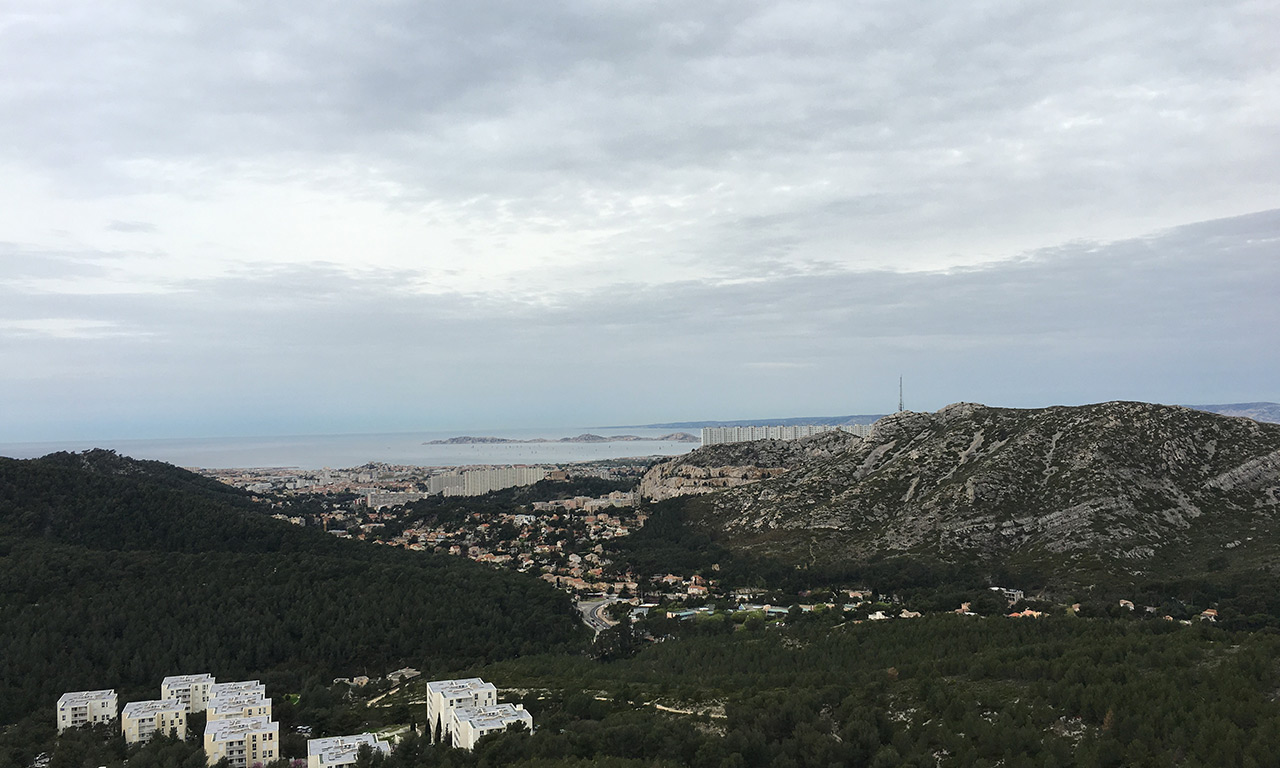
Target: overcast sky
[(246, 218)]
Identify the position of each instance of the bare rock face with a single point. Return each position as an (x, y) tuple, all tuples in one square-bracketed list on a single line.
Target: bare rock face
[(1123, 482), (670, 480), (729, 465)]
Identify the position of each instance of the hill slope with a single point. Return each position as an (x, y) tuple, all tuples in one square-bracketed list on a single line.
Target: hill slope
[(1117, 486), (117, 572)]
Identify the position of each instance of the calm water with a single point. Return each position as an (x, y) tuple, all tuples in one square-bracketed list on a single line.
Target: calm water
[(317, 451)]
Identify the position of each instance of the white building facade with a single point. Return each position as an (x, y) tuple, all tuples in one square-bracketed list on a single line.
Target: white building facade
[(469, 724), (230, 705), (243, 741), (79, 708), (444, 696), (717, 435), (477, 482), (140, 720), (191, 690), (341, 750), (238, 687)]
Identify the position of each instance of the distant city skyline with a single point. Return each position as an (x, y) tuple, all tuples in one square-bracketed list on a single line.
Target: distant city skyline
[(300, 219)]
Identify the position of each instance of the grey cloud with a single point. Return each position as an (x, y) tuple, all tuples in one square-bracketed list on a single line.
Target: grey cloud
[(932, 119), (132, 226), (1183, 315)]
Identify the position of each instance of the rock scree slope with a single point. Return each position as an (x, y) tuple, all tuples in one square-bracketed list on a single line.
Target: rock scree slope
[(1126, 485)]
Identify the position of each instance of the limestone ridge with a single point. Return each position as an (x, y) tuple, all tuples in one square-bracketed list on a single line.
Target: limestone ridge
[(1125, 483), (729, 465)]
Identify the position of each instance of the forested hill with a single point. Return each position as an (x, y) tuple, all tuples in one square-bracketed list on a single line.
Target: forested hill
[(102, 500), (115, 573)]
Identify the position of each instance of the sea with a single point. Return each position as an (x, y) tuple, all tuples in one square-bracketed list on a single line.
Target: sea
[(353, 450)]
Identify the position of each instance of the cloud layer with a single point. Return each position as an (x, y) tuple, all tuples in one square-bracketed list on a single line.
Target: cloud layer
[(244, 217)]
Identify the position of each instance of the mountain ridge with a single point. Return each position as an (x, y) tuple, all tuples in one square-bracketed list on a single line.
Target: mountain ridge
[(1121, 487)]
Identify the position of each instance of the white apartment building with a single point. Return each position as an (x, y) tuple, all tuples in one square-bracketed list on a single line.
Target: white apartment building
[(237, 687), (79, 708), (717, 435), (191, 690), (468, 724), (443, 696), (140, 720), (341, 750), (231, 705), (243, 741), (477, 482), (449, 483)]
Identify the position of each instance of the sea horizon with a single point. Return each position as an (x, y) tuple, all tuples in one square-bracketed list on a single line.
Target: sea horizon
[(355, 449)]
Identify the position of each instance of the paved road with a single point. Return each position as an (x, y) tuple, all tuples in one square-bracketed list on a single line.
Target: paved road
[(593, 613)]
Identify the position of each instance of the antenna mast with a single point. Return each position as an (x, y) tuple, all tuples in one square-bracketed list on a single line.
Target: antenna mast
[(900, 408)]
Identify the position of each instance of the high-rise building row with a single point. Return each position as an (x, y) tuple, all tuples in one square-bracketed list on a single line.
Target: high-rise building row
[(717, 435), (477, 482)]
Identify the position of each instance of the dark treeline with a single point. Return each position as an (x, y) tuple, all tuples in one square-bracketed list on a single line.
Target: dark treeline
[(669, 541), (114, 574), (947, 690), (941, 691), (1245, 599)]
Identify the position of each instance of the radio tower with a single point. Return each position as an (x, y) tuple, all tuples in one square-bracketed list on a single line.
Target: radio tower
[(900, 408)]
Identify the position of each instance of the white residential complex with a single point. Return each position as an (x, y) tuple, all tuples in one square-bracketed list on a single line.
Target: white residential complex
[(468, 724), (86, 708), (477, 482), (191, 690), (243, 741), (717, 435), (341, 750), (239, 686), (445, 695), (141, 720), (461, 711), (229, 705), (239, 726)]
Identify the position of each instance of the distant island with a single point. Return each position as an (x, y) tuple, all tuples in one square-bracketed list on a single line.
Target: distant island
[(674, 437)]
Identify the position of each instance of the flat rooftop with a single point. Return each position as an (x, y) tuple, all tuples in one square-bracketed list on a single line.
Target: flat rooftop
[(237, 728), (75, 697), (187, 679), (240, 686), (337, 745), (238, 699), (145, 708), (493, 712), (470, 683)]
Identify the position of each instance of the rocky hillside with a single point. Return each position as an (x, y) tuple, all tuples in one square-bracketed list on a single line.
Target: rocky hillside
[(1133, 485), (729, 465)]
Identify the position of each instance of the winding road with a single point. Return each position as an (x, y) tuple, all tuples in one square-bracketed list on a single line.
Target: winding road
[(593, 614)]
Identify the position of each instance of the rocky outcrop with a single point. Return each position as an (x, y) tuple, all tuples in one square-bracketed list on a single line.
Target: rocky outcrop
[(670, 480), (729, 465), (1121, 481)]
